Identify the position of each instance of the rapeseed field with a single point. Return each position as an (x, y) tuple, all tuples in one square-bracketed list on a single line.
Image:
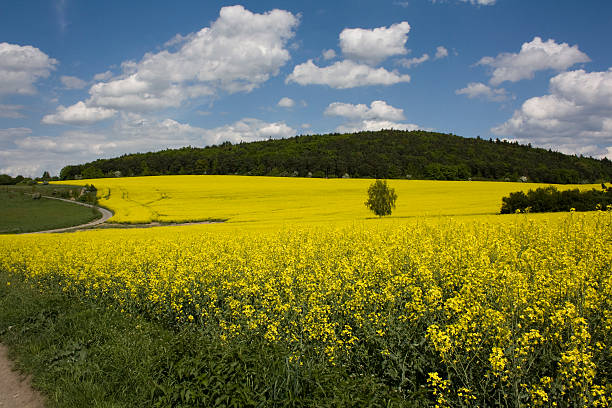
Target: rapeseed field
[(454, 311), (278, 201)]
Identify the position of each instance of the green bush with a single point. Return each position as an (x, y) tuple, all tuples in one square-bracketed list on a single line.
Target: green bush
[(549, 199)]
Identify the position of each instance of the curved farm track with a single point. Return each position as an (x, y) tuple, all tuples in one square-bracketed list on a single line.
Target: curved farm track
[(106, 214)]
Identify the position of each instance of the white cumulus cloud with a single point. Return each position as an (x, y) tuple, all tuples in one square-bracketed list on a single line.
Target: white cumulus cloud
[(575, 117), (534, 56), (379, 115), (15, 163), (344, 74), (129, 133), (286, 102), (21, 67), (71, 82), (376, 110), (11, 111), (374, 125), (329, 54), (363, 50), (375, 45), (11, 133), (62, 145), (441, 52), (247, 130), (480, 90), (103, 76), (237, 53), (78, 114), (412, 62)]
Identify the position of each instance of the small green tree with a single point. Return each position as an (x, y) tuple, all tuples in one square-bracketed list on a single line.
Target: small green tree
[(381, 198)]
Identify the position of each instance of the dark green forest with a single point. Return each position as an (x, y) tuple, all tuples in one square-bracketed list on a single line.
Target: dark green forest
[(385, 154)]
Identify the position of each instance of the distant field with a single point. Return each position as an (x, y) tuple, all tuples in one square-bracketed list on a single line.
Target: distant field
[(280, 200), (20, 213)]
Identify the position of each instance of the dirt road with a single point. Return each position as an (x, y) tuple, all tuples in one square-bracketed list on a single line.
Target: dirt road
[(15, 390), (106, 214)]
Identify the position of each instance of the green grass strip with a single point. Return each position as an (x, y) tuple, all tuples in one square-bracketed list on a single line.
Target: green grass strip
[(21, 213)]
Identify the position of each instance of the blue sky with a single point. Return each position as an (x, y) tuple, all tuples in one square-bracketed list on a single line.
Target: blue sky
[(86, 80)]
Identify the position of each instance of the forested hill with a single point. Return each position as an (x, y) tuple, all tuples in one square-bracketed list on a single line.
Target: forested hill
[(382, 154)]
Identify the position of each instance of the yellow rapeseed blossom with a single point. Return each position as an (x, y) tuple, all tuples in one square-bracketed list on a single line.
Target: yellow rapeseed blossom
[(509, 310)]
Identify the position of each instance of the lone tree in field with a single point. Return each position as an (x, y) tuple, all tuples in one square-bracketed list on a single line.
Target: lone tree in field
[(381, 198)]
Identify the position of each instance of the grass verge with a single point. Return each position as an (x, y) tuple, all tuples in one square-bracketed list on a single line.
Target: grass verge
[(20, 213), (84, 354)]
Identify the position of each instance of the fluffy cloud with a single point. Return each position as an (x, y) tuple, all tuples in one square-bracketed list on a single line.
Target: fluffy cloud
[(63, 145), (480, 90), (11, 133), (374, 125), (575, 117), (286, 102), (134, 132), (135, 94), (238, 52), (412, 62), (129, 133), (534, 56), (78, 114), (17, 162), (247, 130), (363, 50), (329, 54), (441, 52), (21, 67), (11, 111), (103, 76), (344, 74), (71, 82), (22, 152), (377, 110), (373, 46), (586, 89), (480, 2), (378, 116)]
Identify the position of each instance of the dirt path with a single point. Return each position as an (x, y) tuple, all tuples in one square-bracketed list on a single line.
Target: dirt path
[(15, 390), (106, 214)]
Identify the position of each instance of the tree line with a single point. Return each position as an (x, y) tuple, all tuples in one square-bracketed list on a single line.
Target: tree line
[(550, 199), (6, 180), (385, 154)]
